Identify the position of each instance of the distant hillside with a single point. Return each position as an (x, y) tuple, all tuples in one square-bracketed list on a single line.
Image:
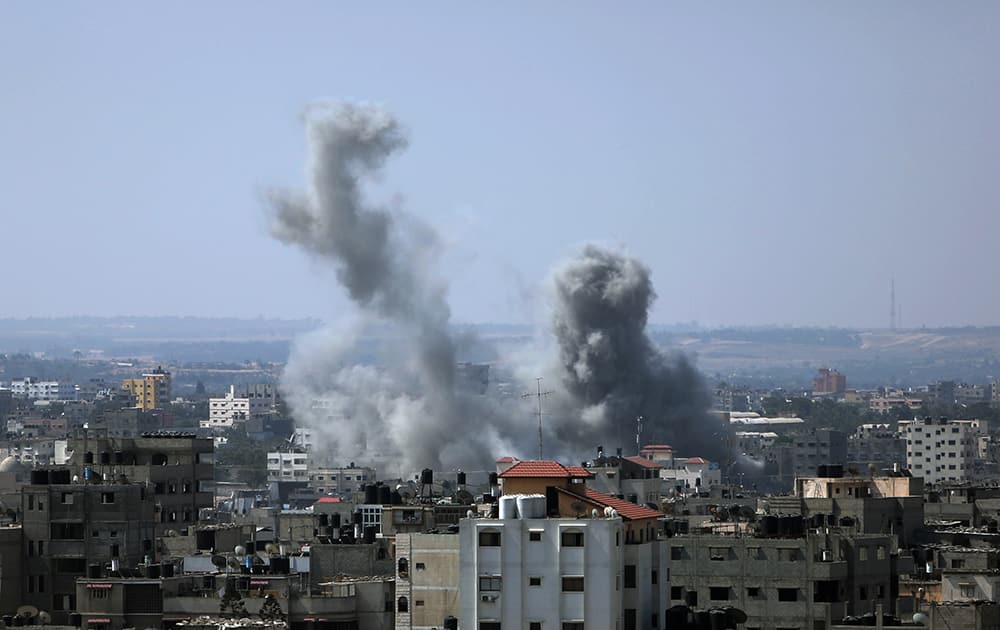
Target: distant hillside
[(868, 357)]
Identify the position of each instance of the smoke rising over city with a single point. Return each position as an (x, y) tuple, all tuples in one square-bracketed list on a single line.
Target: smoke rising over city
[(609, 371), (410, 409)]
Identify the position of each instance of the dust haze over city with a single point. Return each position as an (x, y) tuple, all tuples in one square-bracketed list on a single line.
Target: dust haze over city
[(457, 240)]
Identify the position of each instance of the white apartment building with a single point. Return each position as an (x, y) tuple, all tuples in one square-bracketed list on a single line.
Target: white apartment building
[(42, 390), (940, 450), (599, 564), (227, 411), (287, 466)]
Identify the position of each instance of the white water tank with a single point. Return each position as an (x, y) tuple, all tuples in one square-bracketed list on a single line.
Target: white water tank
[(508, 506), (531, 505)]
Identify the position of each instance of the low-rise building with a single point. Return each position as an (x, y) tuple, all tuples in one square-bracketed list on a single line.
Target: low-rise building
[(795, 579)]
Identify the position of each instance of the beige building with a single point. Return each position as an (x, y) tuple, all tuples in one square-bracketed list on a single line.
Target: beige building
[(151, 391), (427, 580)]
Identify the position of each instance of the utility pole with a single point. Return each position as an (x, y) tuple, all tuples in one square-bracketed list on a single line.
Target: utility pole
[(538, 394)]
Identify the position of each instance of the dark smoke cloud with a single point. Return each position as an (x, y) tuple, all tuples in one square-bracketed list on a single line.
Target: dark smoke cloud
[(610, 371), (407, 412)]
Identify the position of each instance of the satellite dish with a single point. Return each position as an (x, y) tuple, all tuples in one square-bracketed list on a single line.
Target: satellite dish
[(171, 533), (219, 561), (271, 548), (920, 619), (240, 550), (594, 513), (44, 618), (464, 497), (234, 563), (27, 611)]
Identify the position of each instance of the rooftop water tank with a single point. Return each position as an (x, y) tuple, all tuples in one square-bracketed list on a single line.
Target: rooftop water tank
[(531, 505), (508, 506)]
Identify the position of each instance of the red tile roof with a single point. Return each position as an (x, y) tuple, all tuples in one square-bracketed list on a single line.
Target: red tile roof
[(545, 470), (506, 460), (626, 509), (657, 447), (329, 500), (697, 460), (642, 461)]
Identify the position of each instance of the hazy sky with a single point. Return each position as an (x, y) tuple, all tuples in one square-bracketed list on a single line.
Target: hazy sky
[(772, 162)]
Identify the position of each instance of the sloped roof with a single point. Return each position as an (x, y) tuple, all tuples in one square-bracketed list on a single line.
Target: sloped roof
[(657, 447), (545, 470), (506, 460), (642, 461), (329, 500), (697, 460), (626, 509)]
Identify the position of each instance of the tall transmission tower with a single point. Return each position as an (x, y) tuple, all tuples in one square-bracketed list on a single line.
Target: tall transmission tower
[(892, 304), (538, 394)]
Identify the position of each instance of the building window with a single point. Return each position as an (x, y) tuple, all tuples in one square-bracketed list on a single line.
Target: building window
[(489, 625), (534, 625), (67, 498), (967, 591), (718, 593), (572, 625), (489, 538), (676, 553), (676, 592), (629, 576), (421, 566), (789, 595), (402, 605), (489, 583), (107, 497), (572, 584), (753, 592), (535, 536), (654, 577), (535, 580), (572, 539), (718, 553), (403, 567)]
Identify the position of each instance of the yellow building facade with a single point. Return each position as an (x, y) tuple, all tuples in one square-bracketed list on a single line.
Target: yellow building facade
[(151, 391)]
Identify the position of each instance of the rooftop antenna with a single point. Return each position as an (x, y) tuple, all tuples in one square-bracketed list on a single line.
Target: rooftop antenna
[(538, 395), (638, 435)]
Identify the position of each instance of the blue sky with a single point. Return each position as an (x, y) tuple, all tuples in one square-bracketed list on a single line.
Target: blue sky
[(772, 162)]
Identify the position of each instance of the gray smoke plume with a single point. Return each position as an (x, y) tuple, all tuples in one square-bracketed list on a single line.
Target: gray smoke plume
[(610, 370), (407, 412)]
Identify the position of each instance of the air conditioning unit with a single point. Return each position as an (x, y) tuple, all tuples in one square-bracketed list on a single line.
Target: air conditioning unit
[(827, 555), (489, 598)]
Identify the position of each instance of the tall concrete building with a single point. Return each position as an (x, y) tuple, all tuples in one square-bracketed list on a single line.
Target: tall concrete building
[(816, 448), (69, 527), (939, 450), (178, 468), (151, 391), (427, 580), (566, 557)]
